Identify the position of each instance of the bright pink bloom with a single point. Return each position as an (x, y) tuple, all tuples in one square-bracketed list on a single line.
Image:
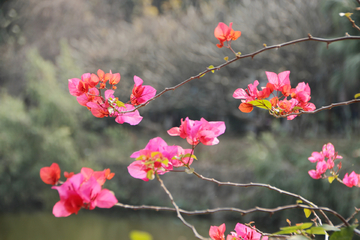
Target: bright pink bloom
[(301, 92), (232, 236), (199, 131), (91, 96), (247, 233), (225, 34), (217, 233), (80, 192), (50, 175), (316, 156), (100, 176), (321, 168), (351, 180), (328, 151), (132, 118), (278, 80), (141, 94), (249, 94)]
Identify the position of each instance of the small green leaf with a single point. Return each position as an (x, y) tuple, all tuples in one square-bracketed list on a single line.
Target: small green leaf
[(297, 108), (189, 171), (321, 230), (189, 155), (226, 58), (211, 67), (140, 235), (344, 233), (238, 54), (120, 104), (294, 229), (265, 104), (298, 237), (202, 75), (307, 212), (298, 201), (331, 179), (357, 95), (153, 154)]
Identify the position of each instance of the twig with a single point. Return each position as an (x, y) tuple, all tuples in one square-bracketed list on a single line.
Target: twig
[(197, 235), (252, 55), (264, 186)]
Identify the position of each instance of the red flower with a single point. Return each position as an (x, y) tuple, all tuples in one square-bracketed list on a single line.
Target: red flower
[(50, 175), (225, 34)]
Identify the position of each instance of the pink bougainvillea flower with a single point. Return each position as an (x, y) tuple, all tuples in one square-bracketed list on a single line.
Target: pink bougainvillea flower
[(132, 118), (82, 192), (91, 96), (249, 94), (217, 232), (70, 199), (278, 80), (199, 131), (158, 157), (247, 233), (328, 151), (141, 94), (50, 175), (301, 92), (351, 180), (100, 176), (321, 168), (225, 33), (316, 156)]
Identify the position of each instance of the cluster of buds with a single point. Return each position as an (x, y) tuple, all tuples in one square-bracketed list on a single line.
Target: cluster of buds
[(242, 232), (88, 93), (82, 190), (279, 87)]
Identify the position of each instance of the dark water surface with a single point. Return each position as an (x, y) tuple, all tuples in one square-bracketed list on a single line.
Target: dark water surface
[(93, 226)]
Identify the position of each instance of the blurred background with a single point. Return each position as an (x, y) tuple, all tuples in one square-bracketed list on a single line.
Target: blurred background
[(44, 43)]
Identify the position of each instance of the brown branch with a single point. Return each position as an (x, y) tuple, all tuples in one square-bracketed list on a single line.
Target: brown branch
[(177, 209), (352, 22), (252, 55), (264, 186)]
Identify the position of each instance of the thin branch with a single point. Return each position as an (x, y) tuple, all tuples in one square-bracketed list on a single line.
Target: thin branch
[(320, 109), (197, 235), (252, 55), (264, 186)]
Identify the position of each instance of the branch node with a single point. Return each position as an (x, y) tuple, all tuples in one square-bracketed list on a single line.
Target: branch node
[(309, 35)]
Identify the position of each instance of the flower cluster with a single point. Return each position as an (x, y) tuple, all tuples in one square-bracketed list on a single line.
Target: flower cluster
[(279, 86), (88, 93), (158, 157), (352, 180), (322, 165), (242, 232), (82, 190), (226, 34), (199, 131)]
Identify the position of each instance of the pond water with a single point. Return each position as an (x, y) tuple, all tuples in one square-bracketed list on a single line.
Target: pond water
[(93, 226)]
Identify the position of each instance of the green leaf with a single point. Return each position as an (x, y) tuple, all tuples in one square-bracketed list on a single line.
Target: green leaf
[(226, 58), (321, 229), (298, 237), (189, 155), (307, 212), (120, 104), (265, 104), (294, 229), (297, 108), (189, 171), (344, 234), (357, 95), (298, 201), (211, 67), (140, 235)]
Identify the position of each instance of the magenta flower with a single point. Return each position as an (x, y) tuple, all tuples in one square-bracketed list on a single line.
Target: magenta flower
[(316, 156), (351, 180), (199, 131), (247, 233), (278, 80), (157, 157), (140, 94), (132, 118), (249, 94), (78, 192), (217, 233)]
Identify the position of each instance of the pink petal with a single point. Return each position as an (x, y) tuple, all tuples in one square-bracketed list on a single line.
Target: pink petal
[(137, 170), (105, 199)]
